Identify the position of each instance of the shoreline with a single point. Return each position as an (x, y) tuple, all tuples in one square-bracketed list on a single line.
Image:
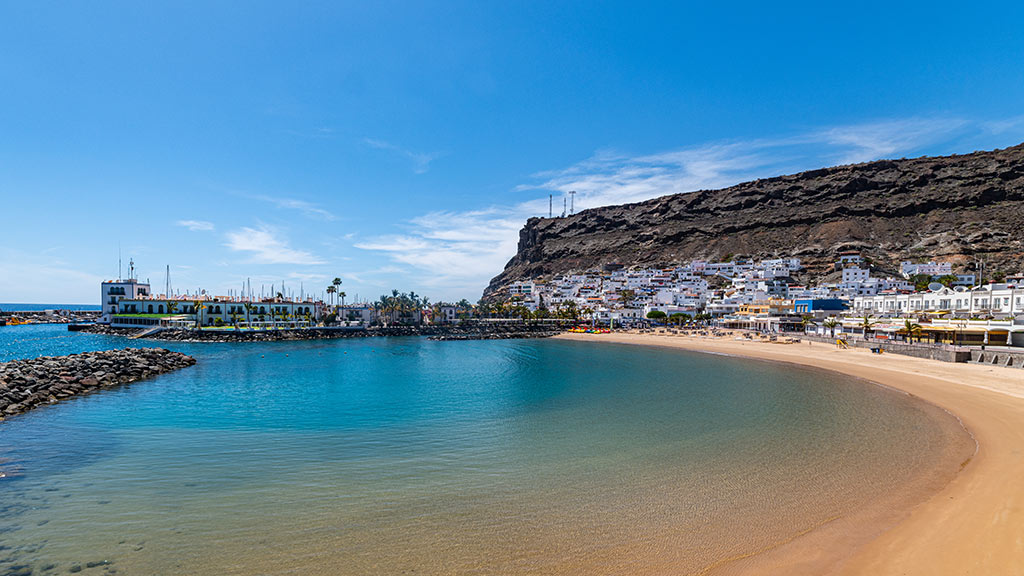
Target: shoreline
[(968, 523)]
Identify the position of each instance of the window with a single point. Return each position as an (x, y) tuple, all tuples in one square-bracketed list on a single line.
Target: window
[(160, 309), (150, 309)]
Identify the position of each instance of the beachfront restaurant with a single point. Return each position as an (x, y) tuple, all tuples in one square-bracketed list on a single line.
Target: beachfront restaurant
[(945, 331), (763, 323), (976, 332)]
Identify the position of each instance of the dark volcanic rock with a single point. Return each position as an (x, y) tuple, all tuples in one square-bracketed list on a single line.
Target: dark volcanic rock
[(29, 383), (953, 208)]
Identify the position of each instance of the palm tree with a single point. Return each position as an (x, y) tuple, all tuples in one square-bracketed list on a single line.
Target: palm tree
[(866, 323), (806, 321), (332, 290), (336, 283), (831, 325), (425, 305), (172, 307), (910, 329), (342, 295)]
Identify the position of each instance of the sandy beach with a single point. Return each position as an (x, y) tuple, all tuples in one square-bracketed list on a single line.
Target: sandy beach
[(972, 525)]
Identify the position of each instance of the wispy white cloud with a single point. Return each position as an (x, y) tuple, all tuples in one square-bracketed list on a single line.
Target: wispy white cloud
[(460, 251), (865, 142), (455, 253), (307, 277), (420, 160), (1005, 125), (267, 246), (308, 209), (54, 280), (318, 132), (196, 225)]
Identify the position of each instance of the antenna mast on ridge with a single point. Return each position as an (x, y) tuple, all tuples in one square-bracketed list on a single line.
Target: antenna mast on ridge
[(572, 196)]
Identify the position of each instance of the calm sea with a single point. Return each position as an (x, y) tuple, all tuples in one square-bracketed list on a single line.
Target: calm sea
[(402, 455)]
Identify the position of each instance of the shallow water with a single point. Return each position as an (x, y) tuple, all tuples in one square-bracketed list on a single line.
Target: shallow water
[(383, 456)]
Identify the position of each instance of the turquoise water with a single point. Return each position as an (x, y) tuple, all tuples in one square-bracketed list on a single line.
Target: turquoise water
[(384, 456)]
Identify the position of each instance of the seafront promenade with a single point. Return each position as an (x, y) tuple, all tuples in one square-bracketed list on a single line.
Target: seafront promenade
[(971, 526)]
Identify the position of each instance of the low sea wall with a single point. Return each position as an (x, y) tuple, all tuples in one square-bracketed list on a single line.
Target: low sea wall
[(927, 351), (461, 331), (999, 357), (25, 384)]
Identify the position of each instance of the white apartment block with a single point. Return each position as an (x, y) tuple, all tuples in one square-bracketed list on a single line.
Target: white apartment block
[(521, 288), (1000, 300), (850, 259), (908, 268), (150, 311), (112, 292)]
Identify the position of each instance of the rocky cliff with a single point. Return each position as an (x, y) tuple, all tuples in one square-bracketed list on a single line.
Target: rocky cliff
[(959, 208)]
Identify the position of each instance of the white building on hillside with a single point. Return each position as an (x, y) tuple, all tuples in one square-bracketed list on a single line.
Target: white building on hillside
[(908, 268)]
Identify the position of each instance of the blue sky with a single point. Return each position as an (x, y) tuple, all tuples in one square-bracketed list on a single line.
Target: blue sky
[(404, 144)]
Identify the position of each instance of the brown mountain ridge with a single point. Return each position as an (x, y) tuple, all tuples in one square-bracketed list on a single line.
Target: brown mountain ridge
[(960, 208)]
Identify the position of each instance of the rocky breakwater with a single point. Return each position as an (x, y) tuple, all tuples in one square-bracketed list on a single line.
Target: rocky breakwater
[(467, 330), (25, 384)]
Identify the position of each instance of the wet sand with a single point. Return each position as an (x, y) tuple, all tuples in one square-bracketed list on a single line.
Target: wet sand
[(972, 524)]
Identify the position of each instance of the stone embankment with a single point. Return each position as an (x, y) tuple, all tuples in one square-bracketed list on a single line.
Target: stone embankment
[(25, 384), (462, 331)]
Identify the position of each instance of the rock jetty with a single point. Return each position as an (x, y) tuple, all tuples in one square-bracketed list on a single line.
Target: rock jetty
[(9, 317), (25, 384)]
